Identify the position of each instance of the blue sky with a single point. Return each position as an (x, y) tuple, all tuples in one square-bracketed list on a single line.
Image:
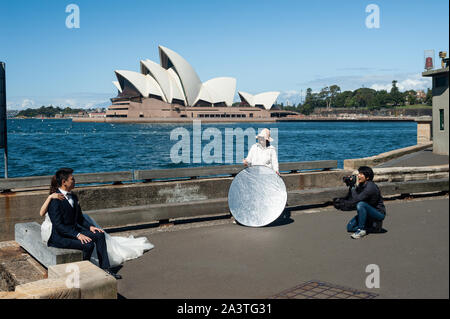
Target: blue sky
[(280, 45)]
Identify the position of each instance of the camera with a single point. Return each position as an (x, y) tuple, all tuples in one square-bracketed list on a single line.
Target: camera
[(350, 181)]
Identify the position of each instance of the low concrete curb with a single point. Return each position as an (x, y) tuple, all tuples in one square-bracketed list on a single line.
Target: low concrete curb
[(384, 157), (403, 174), (46, 289), (80, 280)]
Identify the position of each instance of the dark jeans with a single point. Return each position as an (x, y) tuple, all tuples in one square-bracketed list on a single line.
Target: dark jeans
[(365, 213), (98, 242)]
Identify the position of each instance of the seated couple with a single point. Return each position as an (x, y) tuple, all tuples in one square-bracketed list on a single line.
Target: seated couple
[(65, 226), (367, 200)]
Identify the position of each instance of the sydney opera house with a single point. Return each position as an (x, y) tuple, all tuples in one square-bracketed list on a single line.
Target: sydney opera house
[(172, 89)]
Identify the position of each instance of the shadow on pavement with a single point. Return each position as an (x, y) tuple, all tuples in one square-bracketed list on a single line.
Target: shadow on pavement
[(284, 219)]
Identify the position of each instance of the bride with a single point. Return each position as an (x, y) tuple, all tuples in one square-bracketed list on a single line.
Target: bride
[(120, 249)]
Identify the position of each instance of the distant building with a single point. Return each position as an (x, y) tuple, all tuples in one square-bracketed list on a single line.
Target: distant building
[(421, 95), (440, 107), (97, 114), (79, 114)]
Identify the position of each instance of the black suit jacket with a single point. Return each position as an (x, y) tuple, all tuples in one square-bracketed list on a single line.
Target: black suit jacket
[(67, 221)]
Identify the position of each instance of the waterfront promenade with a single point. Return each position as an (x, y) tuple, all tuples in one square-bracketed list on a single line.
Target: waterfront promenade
[(219, 259), (210, 257)]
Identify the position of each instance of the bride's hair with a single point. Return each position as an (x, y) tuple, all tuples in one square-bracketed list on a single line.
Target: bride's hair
[(53, 185)]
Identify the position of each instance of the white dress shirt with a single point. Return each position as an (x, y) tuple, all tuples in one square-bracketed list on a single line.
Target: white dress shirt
[(260, 155), (68, 197)]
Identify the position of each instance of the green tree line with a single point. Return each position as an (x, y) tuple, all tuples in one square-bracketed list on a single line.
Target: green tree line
[(332, 97), (48, 111)]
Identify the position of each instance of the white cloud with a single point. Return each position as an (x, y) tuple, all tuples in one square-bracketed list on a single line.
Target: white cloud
[(290, 97), (75, 100), (27, 103), (412, 82)]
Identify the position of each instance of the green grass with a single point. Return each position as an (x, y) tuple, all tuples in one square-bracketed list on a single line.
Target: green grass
[(415, 106)]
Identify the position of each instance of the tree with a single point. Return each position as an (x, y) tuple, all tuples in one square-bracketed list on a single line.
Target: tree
[(382, 98), (335, 90), (411, 97), (306, 109), (429, 97), (396, 96), (340, 99), (308, 97), (328, 95), (324, 95), (364, 97), (351, 102)]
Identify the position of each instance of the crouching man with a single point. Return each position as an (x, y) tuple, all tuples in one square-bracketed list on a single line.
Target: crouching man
[(367, 199)]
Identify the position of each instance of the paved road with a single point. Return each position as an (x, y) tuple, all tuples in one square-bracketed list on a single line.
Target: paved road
[(224, 260)]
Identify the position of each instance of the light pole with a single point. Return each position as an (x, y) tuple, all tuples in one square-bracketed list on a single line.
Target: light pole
[(3, 131)]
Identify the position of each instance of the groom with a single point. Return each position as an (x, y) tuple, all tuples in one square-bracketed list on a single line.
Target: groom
[(70, 229)]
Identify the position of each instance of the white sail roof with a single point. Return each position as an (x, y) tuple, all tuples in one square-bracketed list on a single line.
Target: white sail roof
[(176, 87), (246, 97), (218, 90), (161, 76), (189, 79), (144, 84), (266, 99), (117, 85)]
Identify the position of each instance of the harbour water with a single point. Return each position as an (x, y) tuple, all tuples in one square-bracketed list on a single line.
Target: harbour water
[(39, 147)]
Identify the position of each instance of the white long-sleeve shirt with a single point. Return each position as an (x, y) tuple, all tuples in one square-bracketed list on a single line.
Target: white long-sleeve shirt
[(259, 155)]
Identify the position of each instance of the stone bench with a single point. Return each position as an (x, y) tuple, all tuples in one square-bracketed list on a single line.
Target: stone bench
[(28, 236)]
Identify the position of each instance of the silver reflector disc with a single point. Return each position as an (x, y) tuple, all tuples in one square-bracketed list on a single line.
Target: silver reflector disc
[(257, 196)]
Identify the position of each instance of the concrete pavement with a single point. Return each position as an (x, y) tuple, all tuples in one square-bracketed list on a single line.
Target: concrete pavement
[(219, 259), (421, 158)]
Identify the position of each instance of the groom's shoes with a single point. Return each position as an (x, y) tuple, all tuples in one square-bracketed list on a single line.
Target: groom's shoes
[(116, 276)]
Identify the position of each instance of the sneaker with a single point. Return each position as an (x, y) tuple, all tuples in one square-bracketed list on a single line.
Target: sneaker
[(359, 233)]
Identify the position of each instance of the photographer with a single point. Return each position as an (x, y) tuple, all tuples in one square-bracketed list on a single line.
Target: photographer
[(367, 200)]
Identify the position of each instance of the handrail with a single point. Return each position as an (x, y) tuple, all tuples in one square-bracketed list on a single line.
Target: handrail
[(146, 175)]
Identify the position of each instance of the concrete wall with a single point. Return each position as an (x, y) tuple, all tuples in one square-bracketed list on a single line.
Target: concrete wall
[(424, 130), (440, 137)]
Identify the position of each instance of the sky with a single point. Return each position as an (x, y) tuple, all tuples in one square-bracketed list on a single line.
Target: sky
[(282, 45)]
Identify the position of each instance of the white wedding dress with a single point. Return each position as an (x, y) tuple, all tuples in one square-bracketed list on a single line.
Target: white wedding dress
[(120, 249)]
